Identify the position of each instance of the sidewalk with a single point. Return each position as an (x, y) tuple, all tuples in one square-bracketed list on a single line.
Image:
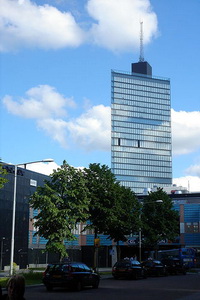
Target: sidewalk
[(105, 269)]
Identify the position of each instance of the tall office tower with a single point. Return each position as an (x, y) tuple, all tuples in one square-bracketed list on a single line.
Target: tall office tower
[(141, 128)]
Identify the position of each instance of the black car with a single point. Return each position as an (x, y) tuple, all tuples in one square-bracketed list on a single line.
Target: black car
[(128, 269), (155, 268), (174, 266), (73, 275)]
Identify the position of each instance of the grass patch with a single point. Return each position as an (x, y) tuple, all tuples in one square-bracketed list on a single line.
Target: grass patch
[(31, 278), (3, 281), (105, 273)]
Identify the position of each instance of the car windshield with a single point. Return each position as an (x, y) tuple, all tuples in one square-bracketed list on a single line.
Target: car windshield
[(123, 264), (49, 268), (157, 262), (135, 263), (65, 268)]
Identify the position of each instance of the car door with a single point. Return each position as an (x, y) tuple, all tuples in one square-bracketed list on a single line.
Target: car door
[(56, 276), (88, 275)]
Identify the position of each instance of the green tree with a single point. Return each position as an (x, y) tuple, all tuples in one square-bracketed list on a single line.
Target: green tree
[(3, 172), (100, 182), (160, 221), (62, 203), (125, 214), (113, 208)]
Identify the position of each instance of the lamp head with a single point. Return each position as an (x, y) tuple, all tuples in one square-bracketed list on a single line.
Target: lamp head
[(48, 160)]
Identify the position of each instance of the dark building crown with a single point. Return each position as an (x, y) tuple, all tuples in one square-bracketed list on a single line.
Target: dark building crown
[(142, 67)]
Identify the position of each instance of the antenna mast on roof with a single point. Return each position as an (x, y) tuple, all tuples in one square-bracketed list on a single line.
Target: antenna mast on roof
[(141, 58)]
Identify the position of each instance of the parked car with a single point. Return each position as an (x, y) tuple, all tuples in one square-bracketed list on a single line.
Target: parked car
[(155, 268), (128, 269), (73, 275), (174, 265)]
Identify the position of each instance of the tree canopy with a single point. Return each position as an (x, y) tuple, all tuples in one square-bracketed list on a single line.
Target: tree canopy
[(125, 218), (100, 183), (159, 220), (113, 209), (61, 203), (72, 196)]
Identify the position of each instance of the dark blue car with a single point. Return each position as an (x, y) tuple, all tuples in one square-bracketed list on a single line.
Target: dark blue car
[(73, 275)]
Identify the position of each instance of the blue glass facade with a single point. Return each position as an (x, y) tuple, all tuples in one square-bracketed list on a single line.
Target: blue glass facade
[(140, 130)]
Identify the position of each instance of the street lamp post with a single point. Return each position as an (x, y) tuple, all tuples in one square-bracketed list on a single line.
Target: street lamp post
[(140, 230), (14, 209), (3, 238)]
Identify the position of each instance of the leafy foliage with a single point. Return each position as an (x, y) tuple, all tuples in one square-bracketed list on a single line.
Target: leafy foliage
[(61, 204), (100, 183), (160, 220), (3, 172), (113, 208), (125, 214)]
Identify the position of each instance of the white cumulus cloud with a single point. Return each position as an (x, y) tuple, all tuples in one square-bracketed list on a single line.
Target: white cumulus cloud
[(43, 168), (92, 130), (192, 183), (23, 23), (185, 131), (193, 170), (117, 24), (40, 102), (56, 129)]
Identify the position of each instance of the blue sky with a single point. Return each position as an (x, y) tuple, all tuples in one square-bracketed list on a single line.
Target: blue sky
[(56, 61)]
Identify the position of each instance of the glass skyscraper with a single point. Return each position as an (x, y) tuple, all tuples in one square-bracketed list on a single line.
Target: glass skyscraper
[(141, 129)]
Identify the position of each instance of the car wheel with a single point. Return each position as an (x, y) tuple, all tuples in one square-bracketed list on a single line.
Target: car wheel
[(49, 287), (116, 277), (96, 284)]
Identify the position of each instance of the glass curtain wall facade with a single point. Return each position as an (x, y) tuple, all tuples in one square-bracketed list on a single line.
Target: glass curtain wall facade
[(141, 130)]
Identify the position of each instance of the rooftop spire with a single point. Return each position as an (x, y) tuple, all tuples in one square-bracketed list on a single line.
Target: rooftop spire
[(141, 58)]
